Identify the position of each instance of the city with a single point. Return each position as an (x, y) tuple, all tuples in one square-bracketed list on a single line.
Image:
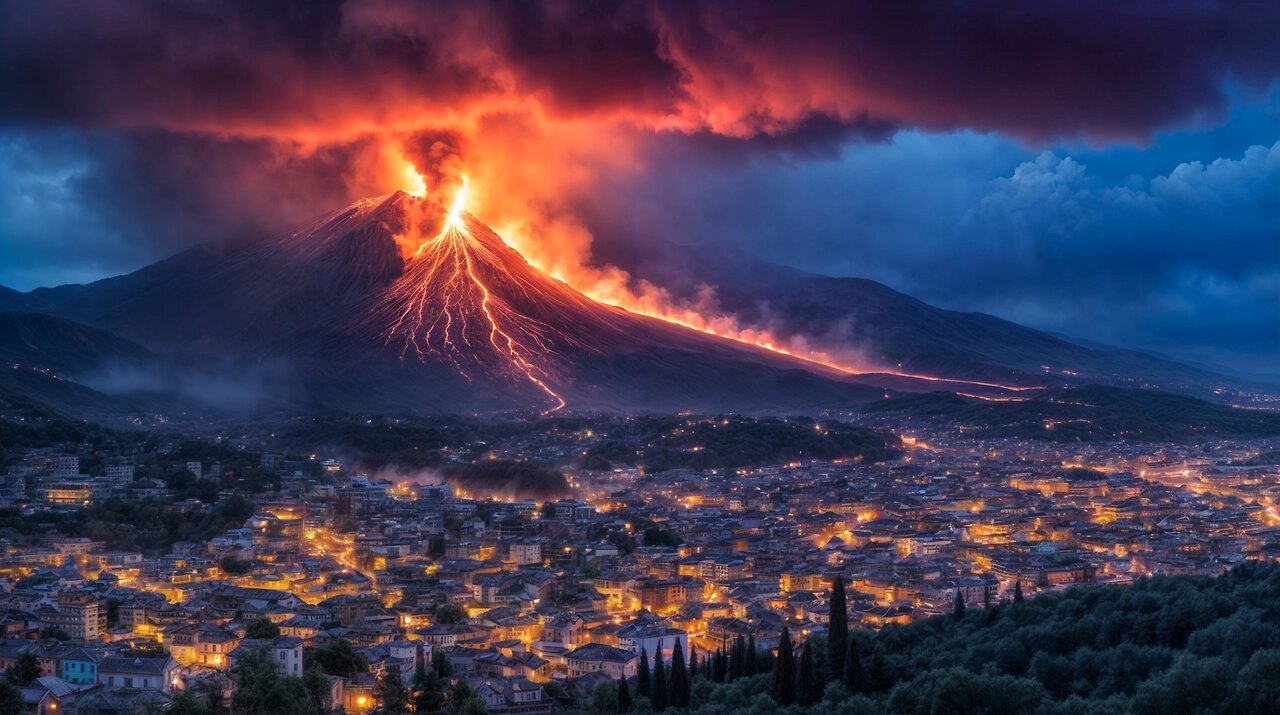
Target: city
[(534, 603)]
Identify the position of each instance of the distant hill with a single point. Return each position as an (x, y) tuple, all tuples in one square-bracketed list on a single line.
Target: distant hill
[(895, 329), (1089, 413), (40, 340)]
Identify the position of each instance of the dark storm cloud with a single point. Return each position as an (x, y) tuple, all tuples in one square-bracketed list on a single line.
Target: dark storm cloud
[(1093, 69)]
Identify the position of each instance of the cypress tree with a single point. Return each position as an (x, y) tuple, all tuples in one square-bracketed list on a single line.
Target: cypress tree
[(693, 662), (737, 652), (659, 683), (642, 676), (679, 691), (959, 607), (720, 669), (751, 661), (624, 694), (837, 629), (806, 682), (853, 667), (783, 688), (1017, 591)]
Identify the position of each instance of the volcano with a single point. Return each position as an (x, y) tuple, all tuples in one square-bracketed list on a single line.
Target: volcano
[(341, 317)]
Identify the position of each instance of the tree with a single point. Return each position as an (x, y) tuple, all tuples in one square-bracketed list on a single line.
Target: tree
[(184, 703), (428, 689), (339, 659), (25, 669), (837, 629), (263, 691), (806, 681), (317, 684), (1017, 591), (659, 684), (679, 691), (11, 700), (783, 688), (450, 613), (853, 668), (261, 627), (643, 687), (958, 611), (624, 694), (390, 694), (440, 663)]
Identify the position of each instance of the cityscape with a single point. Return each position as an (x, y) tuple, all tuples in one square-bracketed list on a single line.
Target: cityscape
[(428, 357)]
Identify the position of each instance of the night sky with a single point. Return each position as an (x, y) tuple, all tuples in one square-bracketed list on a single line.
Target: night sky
[(1107, 171)]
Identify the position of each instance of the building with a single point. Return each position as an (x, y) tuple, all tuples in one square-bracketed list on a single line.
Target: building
[(601, 658), (142, 673), (80, 615), (284, 651)]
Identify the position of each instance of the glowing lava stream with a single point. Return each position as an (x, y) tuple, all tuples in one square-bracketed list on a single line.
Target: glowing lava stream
[(444, 307), (452, 249), (814, 359)]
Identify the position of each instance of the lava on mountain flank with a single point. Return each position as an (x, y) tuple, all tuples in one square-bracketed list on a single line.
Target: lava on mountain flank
[(470, 301), (444, 308)]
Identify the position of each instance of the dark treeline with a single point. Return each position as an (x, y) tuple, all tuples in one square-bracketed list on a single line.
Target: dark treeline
[(521, 480), (1090, 413), (1165, 645), (658, 443)]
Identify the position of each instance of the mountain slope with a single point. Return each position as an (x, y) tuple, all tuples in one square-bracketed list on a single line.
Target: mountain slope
[(892, 327), (45, 341), (353, 323)]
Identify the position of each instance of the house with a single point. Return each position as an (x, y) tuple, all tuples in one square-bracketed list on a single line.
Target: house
[(79, 666), (598, 657), (284, 651), (513, 695), (143, 673)]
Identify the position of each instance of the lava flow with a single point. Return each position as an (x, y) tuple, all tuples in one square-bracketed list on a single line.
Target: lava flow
[(468, 300), (444, 308)]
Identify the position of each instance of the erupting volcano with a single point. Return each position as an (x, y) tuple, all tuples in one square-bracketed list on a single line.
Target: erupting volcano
[(393, 304), (442, 307), (468, 301)]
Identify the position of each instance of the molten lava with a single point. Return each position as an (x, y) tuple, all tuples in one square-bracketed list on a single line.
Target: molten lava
[(468, 300), (443, 308)]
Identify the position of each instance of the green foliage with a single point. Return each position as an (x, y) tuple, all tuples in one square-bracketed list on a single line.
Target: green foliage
[(1164, 645), (55, 633), (523, 480), (660, 443), (263, 691), (11, 698), (261, 627), (338, 659), (390, 694), (148, 525), (450, 613), (653, 536), (25, 669), (440, 663), (1090, 412), (233, 566), (427, 689)]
